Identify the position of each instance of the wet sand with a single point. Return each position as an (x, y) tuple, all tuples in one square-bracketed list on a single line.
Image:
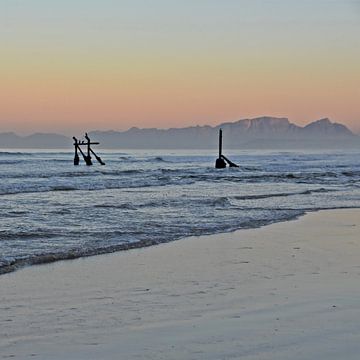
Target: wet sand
[(288, 290)]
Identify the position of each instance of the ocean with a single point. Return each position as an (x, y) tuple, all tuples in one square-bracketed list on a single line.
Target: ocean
[(51, 210)]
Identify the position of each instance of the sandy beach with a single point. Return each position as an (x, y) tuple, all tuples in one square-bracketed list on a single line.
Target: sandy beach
[(288, 290)]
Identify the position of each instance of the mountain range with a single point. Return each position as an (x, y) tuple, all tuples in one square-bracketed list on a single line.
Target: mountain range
[(263, 132)]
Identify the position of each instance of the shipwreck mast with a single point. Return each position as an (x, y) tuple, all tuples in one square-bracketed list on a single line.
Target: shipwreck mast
[(221, 161), (87, 156)]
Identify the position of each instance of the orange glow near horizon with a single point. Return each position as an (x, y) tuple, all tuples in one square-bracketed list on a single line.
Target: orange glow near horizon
[(174, 80), (174, 94)]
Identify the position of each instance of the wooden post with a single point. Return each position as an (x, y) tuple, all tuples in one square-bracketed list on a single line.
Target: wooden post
[(88, 156), (231, 164), (76, 157), (98, 158)]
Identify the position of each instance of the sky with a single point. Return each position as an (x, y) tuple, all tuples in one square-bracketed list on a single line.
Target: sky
[(80, 65)]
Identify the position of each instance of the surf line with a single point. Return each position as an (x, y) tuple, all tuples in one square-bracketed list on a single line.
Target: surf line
[(89, 151)]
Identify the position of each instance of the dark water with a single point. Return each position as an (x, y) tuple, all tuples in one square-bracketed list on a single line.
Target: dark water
[(52, 210)]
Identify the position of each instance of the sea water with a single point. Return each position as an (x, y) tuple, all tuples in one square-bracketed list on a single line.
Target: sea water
[(52, 210)]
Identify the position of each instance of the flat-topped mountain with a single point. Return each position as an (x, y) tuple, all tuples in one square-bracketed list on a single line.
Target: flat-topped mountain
[(262, 125), (270, 126), (262, 132)]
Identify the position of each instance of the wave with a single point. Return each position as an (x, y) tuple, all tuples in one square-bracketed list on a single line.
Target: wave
[(121, 172), (61, 212), (24, 235), (76, 174), (14, 153), (9, 264), (351, 173), (293, 175), (266, 196), (126, 206), (222, 202), (12, 214), (143, 160), (139, 178), (63, 188), (51, 175), (239, 175), (159, 159), (10, 162)]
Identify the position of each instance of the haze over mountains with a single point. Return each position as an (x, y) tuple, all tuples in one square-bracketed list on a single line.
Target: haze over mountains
[(262, 133)]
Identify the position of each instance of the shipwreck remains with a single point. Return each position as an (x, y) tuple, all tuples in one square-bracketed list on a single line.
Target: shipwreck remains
[(89, 151), (222, 160)]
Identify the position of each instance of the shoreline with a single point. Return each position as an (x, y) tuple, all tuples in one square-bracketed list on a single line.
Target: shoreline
[(285, 290), (76, 255)]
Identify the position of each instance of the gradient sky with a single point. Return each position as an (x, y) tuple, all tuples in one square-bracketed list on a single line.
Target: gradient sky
[(75, 65)]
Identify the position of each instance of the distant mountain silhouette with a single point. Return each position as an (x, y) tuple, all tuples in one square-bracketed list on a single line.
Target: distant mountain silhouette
[(325, 127), (263, 132), (10, 140)]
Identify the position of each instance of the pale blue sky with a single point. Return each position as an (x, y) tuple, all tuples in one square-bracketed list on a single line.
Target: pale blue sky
[(302, 22)]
